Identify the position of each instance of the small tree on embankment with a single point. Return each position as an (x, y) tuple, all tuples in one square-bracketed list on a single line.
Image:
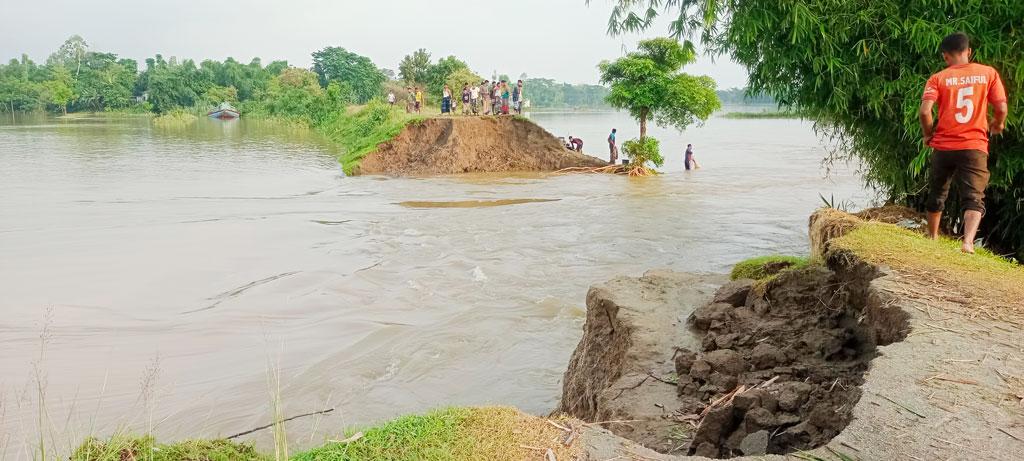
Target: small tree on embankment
[(649, 85), (858, 68)]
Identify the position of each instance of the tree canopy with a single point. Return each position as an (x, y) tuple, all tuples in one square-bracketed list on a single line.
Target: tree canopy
[(858, 68), (414, 67), (335, 64), (649, 85)]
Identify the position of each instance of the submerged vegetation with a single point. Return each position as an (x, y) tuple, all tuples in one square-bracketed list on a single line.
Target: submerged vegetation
[(773, 114), (175, 118)]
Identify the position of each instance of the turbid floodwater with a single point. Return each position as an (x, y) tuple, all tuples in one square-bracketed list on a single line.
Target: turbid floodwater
[(151, 277)]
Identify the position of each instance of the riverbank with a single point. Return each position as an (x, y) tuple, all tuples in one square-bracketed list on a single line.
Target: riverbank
[(871, 351), (885, 346)]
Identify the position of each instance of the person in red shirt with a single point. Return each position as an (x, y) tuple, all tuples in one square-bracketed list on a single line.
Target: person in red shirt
[(963, 92)]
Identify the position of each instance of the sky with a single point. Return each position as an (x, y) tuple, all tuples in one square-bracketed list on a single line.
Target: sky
[(559, 39)]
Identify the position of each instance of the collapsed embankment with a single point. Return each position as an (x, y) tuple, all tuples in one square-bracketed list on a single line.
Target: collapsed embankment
[(471, 144), (782, 364), (891, 347)]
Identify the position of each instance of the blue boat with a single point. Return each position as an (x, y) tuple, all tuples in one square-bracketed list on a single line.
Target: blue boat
[(224, 112)]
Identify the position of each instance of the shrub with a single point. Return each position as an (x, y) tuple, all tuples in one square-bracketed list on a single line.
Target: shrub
[(643, 151)]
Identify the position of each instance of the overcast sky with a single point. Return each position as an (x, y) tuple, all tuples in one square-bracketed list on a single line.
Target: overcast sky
[(560, 39)]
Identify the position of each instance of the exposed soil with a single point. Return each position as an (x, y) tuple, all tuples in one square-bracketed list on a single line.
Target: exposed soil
[(784, 364), (777, 369), (472, 144), (621, 368)]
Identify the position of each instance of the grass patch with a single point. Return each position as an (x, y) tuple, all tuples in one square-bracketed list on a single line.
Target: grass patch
[(491, 433), (764, 267), (984, 278), (360, 132), (452, 434), (120, 448)]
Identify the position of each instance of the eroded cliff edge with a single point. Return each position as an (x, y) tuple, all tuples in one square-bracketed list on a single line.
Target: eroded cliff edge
[(847, 356)]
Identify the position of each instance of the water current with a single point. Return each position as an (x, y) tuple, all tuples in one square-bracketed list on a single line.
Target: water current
[(152, 279)]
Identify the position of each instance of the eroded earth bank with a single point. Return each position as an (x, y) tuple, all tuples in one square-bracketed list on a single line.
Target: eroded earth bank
[(472, 144), (825, 359)]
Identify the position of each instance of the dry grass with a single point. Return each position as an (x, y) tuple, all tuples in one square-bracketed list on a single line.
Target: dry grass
[(827, 224), (503, 433)]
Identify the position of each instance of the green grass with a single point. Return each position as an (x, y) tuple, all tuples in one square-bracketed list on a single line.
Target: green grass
[(360, 132), (121, 448), (468, 433), (759, 268), (433, 436), (982, 275)]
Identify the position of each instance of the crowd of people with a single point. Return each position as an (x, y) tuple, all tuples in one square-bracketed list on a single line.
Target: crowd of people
[(485, 98), (499, 98)]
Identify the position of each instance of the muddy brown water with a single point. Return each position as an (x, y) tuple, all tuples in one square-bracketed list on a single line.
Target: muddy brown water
[(151, 277)]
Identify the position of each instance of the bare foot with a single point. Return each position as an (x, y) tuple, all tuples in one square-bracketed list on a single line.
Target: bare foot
[(967, 247)]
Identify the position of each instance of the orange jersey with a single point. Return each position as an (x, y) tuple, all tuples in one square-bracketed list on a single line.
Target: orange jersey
[(963, 93)]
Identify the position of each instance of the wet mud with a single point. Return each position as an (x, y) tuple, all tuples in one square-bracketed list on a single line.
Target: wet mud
[(780, 363)]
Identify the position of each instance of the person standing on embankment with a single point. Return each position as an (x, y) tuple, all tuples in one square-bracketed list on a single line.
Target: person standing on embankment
[(962, 91)]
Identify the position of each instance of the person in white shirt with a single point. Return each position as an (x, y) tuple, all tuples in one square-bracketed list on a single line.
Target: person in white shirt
[(474, 99)]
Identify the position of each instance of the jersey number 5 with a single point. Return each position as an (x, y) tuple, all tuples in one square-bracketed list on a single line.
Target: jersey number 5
[(963, 100)]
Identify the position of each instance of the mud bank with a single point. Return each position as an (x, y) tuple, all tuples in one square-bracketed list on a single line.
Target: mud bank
[(471, 144), (823, 359)]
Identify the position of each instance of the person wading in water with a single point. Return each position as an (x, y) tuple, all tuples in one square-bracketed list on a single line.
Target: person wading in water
[(613, 149), (962, 92), (689, 160)]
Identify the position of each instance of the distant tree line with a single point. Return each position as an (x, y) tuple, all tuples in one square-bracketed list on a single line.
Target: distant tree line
[(77, 78), (740, 97)]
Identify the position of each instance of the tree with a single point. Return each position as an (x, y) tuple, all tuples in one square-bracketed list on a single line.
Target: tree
[(649, 85), (71, 53), (858, 69), (58, 89), (218, 94), (334, 64), (414, 67), (439, 74)]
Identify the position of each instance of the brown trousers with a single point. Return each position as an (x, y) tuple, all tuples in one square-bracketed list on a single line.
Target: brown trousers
[(970, 170)]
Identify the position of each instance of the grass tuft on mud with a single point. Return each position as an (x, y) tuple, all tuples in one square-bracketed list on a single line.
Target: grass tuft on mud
[(360, 131), (764, 267)]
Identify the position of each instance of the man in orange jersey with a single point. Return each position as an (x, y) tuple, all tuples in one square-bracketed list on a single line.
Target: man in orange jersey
[(963, 92)]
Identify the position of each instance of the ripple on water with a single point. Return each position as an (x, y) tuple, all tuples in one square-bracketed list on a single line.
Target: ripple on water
[(475, 203)]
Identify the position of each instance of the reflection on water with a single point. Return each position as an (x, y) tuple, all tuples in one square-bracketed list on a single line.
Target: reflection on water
[(179, 265), (474, 203)]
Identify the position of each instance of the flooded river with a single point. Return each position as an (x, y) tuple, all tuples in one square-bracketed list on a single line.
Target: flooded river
[(152, 279)]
